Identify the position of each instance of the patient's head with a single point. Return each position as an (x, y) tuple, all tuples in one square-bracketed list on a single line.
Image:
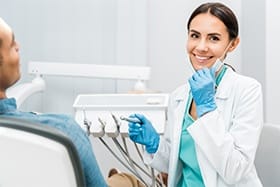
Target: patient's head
[(9, 58)]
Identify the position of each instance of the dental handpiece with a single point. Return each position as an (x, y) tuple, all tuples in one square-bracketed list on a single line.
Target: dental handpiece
[(132, 120)]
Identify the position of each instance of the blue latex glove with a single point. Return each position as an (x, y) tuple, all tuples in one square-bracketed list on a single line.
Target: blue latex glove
[(143, 133), (202, 85)]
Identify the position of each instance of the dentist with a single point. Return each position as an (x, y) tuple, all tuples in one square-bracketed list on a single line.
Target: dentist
[(214, 120)]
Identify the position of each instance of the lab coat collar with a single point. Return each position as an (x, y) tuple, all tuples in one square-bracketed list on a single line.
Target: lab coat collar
[(224, 88)]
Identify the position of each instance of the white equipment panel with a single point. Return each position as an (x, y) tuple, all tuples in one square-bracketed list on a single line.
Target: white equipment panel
[(98, 110)]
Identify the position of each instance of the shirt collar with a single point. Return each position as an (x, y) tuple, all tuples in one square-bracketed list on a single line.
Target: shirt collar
[(7, 105)]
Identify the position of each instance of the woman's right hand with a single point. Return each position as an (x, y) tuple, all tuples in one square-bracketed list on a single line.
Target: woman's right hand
[(143, 133)]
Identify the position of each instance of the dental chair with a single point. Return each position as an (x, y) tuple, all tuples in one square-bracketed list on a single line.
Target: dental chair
[(34, 155), (268, 156)]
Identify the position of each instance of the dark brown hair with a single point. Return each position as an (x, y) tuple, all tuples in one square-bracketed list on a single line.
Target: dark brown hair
[(220, 11)]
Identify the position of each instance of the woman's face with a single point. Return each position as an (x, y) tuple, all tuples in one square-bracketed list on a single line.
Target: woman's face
[(208, 40), (9, 54)]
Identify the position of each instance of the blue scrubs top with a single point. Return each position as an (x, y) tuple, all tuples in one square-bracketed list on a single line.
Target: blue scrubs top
[(191, 175)]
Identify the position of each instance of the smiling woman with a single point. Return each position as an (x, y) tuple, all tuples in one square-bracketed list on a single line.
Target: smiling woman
[(214, 121), (211, 36)]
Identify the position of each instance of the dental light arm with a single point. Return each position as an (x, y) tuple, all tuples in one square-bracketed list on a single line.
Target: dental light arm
[(138, 73)]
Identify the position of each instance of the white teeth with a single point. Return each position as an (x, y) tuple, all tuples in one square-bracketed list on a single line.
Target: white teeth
[(202, 58)]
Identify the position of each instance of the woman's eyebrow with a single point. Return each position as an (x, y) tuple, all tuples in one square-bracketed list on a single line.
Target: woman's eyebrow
[(209, 34), (194, 31), (214, 34)]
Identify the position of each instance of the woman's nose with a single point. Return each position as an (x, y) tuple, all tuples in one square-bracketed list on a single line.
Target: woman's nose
[(202, 45)]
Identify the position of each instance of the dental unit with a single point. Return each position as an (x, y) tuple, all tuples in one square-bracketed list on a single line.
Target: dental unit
[(103, 116)]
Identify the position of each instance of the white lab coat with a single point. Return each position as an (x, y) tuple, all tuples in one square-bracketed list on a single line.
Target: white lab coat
[(225, 139)]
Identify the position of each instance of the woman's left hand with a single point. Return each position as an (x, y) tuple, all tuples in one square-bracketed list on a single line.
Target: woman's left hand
[(202, 85)]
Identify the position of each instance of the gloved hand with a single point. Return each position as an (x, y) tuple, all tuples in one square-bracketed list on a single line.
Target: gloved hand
[(202, 85), (144, 133)]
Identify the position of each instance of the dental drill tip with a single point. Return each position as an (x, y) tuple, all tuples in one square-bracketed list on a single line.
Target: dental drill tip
[(132, 120)]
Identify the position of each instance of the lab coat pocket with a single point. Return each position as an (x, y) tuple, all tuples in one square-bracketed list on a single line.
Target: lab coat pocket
[(221, 104)]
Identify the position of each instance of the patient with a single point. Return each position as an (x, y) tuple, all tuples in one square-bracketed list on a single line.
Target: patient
[(9, 75)]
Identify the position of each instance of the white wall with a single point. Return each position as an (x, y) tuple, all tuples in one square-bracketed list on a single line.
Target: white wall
[(272, 61), (253, 32)]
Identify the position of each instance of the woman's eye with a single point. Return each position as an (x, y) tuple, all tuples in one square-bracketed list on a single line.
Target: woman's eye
[(214, 38), (193, 35)]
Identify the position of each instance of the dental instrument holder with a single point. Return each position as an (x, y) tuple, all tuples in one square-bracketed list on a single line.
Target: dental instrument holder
[(87, 123), (111, 128), (97, 130), (102, 106)]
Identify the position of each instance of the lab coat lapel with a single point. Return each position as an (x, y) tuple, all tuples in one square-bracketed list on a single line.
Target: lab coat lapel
[(178, 118), (208, 174), (180, 101), (224, 88)]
